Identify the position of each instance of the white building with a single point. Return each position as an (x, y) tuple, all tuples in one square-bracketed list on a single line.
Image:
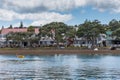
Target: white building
[(46, 41), (2, 40), (79, 42)]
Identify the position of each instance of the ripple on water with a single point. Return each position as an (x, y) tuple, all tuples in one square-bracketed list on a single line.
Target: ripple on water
[(59, 67)]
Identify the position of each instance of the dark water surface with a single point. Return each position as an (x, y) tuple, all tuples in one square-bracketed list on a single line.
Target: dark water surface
[(60, 67)]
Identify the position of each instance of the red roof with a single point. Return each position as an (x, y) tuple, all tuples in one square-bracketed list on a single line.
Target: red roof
[(7, 30)]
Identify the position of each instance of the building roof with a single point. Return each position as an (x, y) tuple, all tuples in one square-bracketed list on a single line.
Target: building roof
[(46, 39), (7, 30)]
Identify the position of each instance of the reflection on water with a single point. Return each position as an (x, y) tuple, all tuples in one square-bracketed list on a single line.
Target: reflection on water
[(60, 67)]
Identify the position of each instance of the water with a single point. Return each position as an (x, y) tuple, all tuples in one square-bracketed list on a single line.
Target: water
[(60, 67)]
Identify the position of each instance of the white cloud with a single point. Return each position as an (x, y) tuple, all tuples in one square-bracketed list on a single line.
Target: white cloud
[(33, 6), (38, 18), (25, 6), (106, 5), (6, 15), (52, 17), (10, 15), (18, 24), (79, 3), (44, 11)]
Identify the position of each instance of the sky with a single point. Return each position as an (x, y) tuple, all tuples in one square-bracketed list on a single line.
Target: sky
[(71, 12)]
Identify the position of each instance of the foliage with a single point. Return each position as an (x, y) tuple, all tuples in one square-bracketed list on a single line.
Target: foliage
[(59, 28), (20, 37), (21, 24), (114, 24), (10, 27), (17, 36), (30, 29), (90, 30), (116, 33), (71, 32), (59, 31)]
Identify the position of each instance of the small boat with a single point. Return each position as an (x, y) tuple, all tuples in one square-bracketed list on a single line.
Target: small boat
[(20, 56)]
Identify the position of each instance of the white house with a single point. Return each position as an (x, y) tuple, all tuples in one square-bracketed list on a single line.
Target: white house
[(2, 40), (46, 41), (78, 42)]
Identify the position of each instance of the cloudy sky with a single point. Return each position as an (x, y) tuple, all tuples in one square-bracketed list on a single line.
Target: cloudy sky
[(40, 12)]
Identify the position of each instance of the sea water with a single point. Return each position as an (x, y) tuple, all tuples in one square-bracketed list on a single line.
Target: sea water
[(60, 67)]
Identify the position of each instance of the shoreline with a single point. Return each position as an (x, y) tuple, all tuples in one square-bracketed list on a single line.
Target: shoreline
[(43, 52)]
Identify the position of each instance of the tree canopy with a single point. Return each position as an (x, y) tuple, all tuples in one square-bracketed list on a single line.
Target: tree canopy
[(60, 31)]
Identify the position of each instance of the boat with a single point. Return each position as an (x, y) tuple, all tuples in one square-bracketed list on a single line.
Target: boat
[(20, 56)]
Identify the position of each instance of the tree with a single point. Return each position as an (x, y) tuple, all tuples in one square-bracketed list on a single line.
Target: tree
[(116, 33), (2, 27), (71, 32), (31, 29), (85, 29), (114, 24), (14, 37), (54, 30), (20, 37), (21, 24), (10, 27), (90, 30)]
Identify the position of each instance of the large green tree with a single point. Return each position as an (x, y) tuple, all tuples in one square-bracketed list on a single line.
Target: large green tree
[(90, 30), (116, 34), (114, 24), (31, 29), (61, 30), (20, 37)]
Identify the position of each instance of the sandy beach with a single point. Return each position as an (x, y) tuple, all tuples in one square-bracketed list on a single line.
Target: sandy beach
[(28, 51)]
